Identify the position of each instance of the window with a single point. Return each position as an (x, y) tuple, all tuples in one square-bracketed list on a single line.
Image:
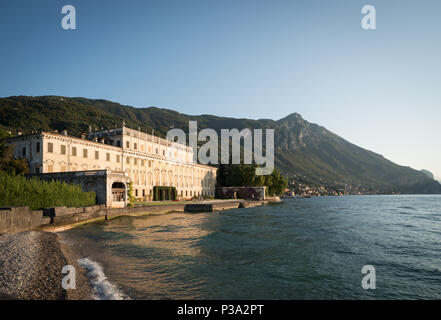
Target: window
[(128, 160), (74, 151), (127, 144), (97, 155), (107, 156), (135, 146), (63, 149), (84, 153), (118, 143), (24, 152), (50, 147), (136, 192), (38, 147), (157, 152), (135, 161), (37, 170), (143, 192), (142, 162), (50, 168), (117, 158), (163, 152)]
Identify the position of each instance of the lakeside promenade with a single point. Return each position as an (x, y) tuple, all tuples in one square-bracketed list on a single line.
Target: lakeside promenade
[(17, 219)]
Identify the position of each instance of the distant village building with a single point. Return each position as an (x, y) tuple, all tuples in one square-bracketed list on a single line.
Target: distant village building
[(145, 160)]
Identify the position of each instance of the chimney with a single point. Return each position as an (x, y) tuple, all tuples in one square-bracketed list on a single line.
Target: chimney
[(65, 132), (83, 136)]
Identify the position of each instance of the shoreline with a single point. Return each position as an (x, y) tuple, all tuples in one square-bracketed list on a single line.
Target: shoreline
[(61, 228), (83, 289), (156, 209), (31, 261)]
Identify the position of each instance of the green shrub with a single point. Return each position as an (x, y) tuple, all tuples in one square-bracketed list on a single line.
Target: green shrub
[(37, 194), (131, 197), (161, 193), (10, 165)]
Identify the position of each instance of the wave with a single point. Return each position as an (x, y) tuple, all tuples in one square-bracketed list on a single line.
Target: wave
[(102, 288), (408, 208)]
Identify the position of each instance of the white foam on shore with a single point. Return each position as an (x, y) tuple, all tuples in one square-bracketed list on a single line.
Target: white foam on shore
[(103, 289)]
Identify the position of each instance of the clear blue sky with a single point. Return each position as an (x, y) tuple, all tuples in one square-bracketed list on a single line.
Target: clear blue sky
[(379, 89)]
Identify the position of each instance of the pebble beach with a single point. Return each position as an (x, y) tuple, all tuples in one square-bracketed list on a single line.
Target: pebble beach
[(31, 264)]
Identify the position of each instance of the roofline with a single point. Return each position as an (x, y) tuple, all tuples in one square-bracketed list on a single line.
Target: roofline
[(42, 133)]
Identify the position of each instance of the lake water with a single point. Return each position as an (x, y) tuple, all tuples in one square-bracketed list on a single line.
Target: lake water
[(297, 249)]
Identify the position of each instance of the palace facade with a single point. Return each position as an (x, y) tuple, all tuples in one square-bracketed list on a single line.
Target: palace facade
[(146, 160)]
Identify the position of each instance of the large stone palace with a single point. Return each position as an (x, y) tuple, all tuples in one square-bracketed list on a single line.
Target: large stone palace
[(120, 154)]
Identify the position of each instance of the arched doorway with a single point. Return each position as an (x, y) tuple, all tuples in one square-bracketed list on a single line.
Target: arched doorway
[(118, 195)]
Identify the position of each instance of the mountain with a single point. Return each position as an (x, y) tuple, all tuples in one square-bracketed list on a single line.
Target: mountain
[(428, 173), (304, 151)]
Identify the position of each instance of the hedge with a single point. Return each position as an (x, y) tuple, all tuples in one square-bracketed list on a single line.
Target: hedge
[(37, 194), (164, 193)]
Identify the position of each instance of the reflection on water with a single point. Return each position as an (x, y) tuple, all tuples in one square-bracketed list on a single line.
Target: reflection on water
[(174, 233), (299, 249), (143, 253)]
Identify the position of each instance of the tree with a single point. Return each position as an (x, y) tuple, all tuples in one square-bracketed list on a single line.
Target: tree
[(4, 134), (242, 175), (276, 183), (131, 197), (10, 165)]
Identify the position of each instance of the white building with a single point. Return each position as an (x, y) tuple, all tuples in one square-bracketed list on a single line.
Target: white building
[(147, 160)]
